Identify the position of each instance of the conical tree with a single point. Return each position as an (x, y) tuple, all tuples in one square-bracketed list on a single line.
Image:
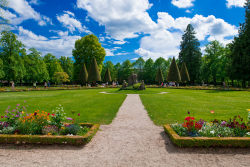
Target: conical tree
[(184, 73), (83, 75), (107, 77), (174, 74), (159, 76), (93, 73)]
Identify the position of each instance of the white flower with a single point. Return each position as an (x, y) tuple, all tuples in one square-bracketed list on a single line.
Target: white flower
[(248, 133), (212, 131), (200, 130), (59, 104), (53, 111)]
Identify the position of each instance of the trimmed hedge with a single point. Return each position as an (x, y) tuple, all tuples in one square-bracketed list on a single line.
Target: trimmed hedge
[(49, 139), (206, 141)]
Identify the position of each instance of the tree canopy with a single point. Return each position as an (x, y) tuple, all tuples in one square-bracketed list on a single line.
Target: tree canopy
[(83, 76), (107, 77), (174, 74), (184, 73), (190, 53), (159, 77), (85, 49), (93, 72)]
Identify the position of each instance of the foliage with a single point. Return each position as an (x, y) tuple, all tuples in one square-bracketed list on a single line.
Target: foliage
[(11, 49), (93, 72), (240, 47), (184, 73), (83, 75), (139, 63), (53, 66), (107, 77), (149, 71), (50, 130), (61, 77), (67, 65), (190, 53), (113, 72), (159, 77), (13, 115), (1, 69), (85, 49), (58, 117), (174, 74), (214, 59)]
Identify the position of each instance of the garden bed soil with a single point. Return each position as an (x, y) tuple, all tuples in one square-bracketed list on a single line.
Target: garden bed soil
[(206, 141), (51, 139)]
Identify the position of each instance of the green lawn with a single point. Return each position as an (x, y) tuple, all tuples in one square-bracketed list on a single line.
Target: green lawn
[(94, 107), (147, 91), (173, 106)]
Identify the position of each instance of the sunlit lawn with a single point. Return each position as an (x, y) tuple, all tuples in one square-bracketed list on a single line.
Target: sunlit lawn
[(94, 107), (173, 106)]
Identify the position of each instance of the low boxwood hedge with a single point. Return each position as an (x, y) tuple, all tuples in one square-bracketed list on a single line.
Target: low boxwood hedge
[(206, 141), (48, 139)]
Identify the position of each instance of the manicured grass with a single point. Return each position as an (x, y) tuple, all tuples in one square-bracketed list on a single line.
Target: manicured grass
[(94, 107), (173, 107), (147, 91)]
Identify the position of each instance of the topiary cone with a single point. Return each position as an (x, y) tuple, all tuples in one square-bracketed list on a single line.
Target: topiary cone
[(159, 76), (83, 75), (107, 77), (174, 74), (184, 73), (93, 73)]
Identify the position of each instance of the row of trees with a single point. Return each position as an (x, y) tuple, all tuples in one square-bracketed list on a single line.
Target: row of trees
[(18, 65)]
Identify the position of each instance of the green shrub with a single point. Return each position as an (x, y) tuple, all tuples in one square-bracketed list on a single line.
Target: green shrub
[(136, 86)]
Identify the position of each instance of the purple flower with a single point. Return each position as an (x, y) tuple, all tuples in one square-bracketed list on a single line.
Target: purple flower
[(24, 101), (13, 110), (24, 108), (26, 105), (6, 111), (35, 113), (18, 105), (17, 116), (188, 112), (6, 116), (8, 107), (12, 114), (69, 118)]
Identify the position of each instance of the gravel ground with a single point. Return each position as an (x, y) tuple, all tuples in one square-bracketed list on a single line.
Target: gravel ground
[(130, 140)]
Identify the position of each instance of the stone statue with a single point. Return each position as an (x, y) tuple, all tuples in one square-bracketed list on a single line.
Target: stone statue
[(132, 79), (124, 85), (142, 86)]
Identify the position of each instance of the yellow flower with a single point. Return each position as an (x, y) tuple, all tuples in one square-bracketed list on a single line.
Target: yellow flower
[(22, 112), (248, 109), (62, 128), (49, 134)]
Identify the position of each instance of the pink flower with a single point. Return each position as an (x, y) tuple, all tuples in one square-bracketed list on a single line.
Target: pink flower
[(212, 111), (24, 101), (79, 114), (69, 118)]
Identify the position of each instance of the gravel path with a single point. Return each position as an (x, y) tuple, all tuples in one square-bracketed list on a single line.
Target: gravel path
[(130, 140)]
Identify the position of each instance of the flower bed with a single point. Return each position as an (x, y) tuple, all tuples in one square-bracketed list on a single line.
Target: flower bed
[(41, 127), (233, 132)]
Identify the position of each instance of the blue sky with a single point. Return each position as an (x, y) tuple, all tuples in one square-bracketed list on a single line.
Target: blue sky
[(127, 29)]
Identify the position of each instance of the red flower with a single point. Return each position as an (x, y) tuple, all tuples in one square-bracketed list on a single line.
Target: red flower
[(72, 122), (192, 118), (78, 114), (1, 116), (212, 111), (53, 115), (187, 118), (48, 113)]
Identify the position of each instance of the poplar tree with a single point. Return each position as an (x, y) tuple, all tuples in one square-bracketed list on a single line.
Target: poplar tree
[(83, 75), (174, 74), (159, 77), (184, 73), (107, 77), (190, 53), (93, 73)]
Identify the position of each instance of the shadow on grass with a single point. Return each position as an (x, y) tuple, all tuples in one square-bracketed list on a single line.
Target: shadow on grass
[(171, 148), (217, 91)]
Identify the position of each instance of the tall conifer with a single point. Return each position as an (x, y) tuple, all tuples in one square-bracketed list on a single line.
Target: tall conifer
[(174, 74), (107, 77), (159, 76), (83, 75), (190, 53), (93, 73), (184, 73)]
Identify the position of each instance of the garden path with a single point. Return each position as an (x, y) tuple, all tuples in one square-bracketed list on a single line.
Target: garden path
[(130, 140)]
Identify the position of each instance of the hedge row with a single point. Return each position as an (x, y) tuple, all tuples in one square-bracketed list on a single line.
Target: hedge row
[(48, 139), (206, 141)]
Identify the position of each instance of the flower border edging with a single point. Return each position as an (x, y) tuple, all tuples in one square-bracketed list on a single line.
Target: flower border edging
[(206, 141), (48, 139)]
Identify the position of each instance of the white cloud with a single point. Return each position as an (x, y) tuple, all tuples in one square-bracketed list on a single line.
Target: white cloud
[(71, 23), (35, 2), (122, 53), (109, 52), (58, 46), (102, 39), (122, 19), (30, 35), (25, 12), (189, 11), (236, 3), (70, 13), (183, 3), (145, 54), (119, 42)]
